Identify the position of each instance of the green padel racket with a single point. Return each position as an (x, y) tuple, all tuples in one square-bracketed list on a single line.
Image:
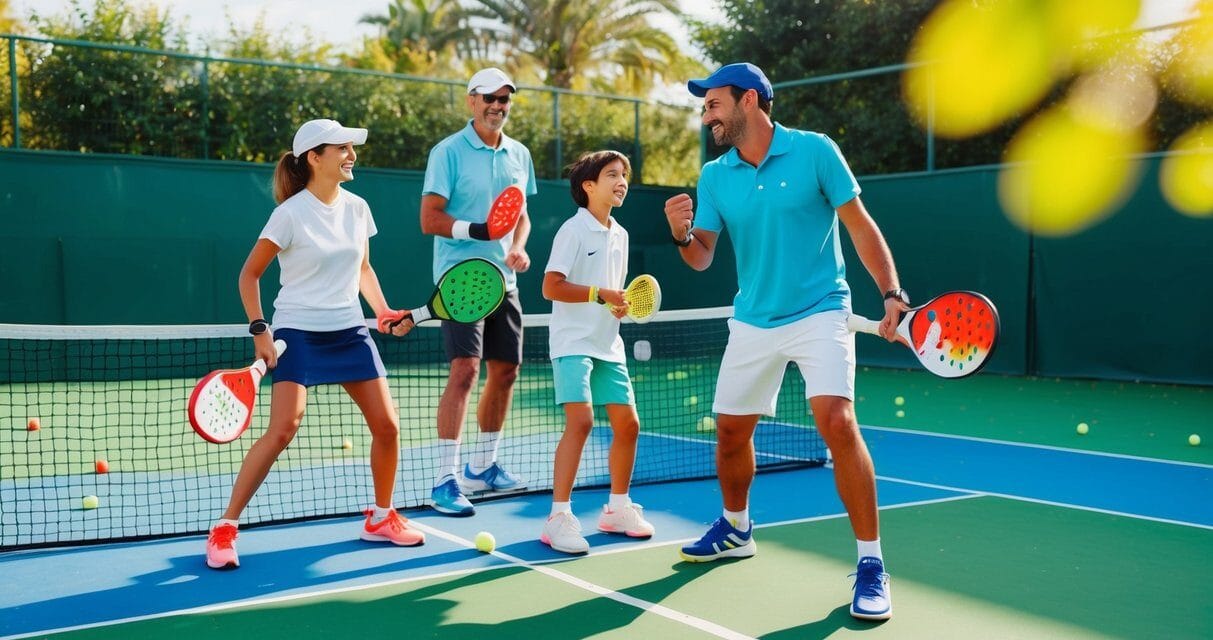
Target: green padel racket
[(466, 293)]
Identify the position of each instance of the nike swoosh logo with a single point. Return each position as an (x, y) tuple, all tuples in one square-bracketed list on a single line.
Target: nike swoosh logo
[(592, 252)]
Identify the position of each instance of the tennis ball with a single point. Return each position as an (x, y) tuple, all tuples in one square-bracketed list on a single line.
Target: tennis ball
[(692, 401), (34, 424), (485, 542), (899, 401), (90, 502), (707, 423), (102, 466), (1082, 428), (346, 443), (900, 413), (1194, 440)]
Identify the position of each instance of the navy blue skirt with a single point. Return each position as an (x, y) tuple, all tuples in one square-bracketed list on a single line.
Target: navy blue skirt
[(327, 357)]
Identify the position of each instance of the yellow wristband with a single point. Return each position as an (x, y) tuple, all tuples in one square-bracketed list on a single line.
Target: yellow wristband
[(593, 294)]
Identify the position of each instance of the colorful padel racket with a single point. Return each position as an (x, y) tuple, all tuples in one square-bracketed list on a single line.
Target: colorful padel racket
[(953, 335), (467, 293), (503, 215), (221, 406), (644, 298)]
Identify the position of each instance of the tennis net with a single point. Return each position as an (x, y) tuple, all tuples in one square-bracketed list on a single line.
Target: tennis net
[(119, 394)]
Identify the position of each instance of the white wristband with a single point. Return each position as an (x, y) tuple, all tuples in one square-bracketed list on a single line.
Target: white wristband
[(459, 230)]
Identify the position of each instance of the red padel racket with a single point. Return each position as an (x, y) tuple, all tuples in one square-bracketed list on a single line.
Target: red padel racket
[(503, 215), (953, 335), (221, 406)]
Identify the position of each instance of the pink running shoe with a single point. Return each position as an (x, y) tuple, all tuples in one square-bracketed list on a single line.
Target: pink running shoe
[(394, 529), (221, 548)]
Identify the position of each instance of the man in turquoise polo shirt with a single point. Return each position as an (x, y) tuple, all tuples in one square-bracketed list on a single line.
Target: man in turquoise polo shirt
[(464, 174), (781, 193)]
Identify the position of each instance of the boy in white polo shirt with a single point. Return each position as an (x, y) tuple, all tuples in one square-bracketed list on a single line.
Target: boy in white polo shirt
[(584, 280)]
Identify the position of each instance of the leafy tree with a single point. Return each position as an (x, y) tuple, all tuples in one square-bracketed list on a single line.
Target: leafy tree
[(419, 36)]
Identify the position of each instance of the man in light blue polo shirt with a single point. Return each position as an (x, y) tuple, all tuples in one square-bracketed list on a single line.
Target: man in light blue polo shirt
[(781, 193), (463, 176)]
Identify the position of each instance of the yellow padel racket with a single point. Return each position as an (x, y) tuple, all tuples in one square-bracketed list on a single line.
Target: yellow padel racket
[(644, 298)]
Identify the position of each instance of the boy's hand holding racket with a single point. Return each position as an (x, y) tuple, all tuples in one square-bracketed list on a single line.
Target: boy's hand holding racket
[(615, 301)]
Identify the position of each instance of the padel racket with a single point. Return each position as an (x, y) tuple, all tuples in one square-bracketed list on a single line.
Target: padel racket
[(467, 293), (221, 405), (953, 335), (644, 298), (503, 215)]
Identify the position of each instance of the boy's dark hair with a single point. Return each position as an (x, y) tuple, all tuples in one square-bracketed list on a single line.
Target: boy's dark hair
[(588, 167), (764, 105)]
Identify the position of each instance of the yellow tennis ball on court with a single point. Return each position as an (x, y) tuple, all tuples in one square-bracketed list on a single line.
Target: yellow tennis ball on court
[(485, 542), (90, 502), (346, 443), (899, 401), (900, 413), (707, 423), (1194, 440), (692, 401), (1082, 428)]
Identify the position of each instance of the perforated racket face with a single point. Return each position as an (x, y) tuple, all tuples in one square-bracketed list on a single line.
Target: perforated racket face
[(954, 334), (504, 213), (469, 291), (644, 297), (221, 406)]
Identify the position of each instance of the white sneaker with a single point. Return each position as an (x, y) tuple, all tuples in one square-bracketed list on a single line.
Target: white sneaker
[(562, 532), (629, 520)]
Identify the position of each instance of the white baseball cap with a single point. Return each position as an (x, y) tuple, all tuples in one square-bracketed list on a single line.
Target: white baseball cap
[(490, 80), (314, 133)]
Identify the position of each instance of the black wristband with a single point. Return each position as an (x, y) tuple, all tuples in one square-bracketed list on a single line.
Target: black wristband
[(685, 242), (258, 327), (478, 231)]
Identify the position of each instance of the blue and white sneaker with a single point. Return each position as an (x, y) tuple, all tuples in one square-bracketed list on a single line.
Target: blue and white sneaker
[(723, 540), (449, 499), (495, 478), (873, 598)]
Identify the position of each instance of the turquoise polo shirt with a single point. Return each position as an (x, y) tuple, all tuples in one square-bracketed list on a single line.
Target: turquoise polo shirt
[(470, 174), (780, 217)]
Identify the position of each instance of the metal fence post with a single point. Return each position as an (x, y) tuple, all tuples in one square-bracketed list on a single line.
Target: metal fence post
[(15, 100), (637, 156), (556, 126), (206, 106)]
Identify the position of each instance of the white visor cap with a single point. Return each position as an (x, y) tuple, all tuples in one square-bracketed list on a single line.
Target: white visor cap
[(314, 133), (490, 80)]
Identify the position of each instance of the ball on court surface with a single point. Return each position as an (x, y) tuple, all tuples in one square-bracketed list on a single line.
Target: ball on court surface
[(1082, 428), (707, 423), (485, 542), (34, 424), (900, 413), (346, 443), (899, 401), (1194, 440), (102, 466), (642, 350), (90, 502), (692, 401)]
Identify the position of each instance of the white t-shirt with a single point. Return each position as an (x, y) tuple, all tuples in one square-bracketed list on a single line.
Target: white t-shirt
[(587, 253), (321, 260)]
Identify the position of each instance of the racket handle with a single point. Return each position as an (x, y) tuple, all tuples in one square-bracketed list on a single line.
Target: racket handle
[(421, 314), (860, 324), (280, 346)]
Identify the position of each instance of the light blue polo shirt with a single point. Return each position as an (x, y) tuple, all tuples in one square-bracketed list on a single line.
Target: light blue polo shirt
[(470, 174), (780, 217)]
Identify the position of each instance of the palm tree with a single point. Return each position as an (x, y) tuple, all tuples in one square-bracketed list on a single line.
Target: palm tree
[(579, 42), (414, 34)]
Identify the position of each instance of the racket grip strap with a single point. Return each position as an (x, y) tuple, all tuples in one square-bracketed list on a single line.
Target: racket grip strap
[(421, 314)]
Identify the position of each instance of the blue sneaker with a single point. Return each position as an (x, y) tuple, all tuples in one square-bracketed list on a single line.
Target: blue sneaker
[(721, 541), (449, 499), (873, 598), (495, 478)]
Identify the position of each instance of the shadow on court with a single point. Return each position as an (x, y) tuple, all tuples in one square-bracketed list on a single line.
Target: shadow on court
[(839, 618)]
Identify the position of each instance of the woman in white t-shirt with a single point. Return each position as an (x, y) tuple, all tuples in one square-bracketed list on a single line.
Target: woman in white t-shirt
[(320, 234), (586, 270)]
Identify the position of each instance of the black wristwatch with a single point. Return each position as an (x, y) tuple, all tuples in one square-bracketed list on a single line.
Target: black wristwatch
[(258, 327), (898, 294), (685, 242)]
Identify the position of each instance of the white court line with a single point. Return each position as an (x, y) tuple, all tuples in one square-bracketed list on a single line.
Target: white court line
[(1046, 447)]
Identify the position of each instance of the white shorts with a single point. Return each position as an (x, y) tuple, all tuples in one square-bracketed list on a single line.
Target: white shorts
[(755, 361)]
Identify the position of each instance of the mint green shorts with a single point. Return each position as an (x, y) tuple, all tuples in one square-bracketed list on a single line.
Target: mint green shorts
[(586, 379)]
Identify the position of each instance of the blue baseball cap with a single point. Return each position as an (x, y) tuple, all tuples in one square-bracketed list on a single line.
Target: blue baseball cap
[(738, 74)]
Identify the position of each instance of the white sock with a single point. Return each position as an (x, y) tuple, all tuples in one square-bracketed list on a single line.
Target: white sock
[(739, 519), (618, 501), (223, 521), (379, 514), (448, 458), (485, 453), (870, 549), (561, 507)]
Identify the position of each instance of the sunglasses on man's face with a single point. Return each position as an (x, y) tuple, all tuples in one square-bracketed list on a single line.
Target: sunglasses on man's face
[(490, 98)]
